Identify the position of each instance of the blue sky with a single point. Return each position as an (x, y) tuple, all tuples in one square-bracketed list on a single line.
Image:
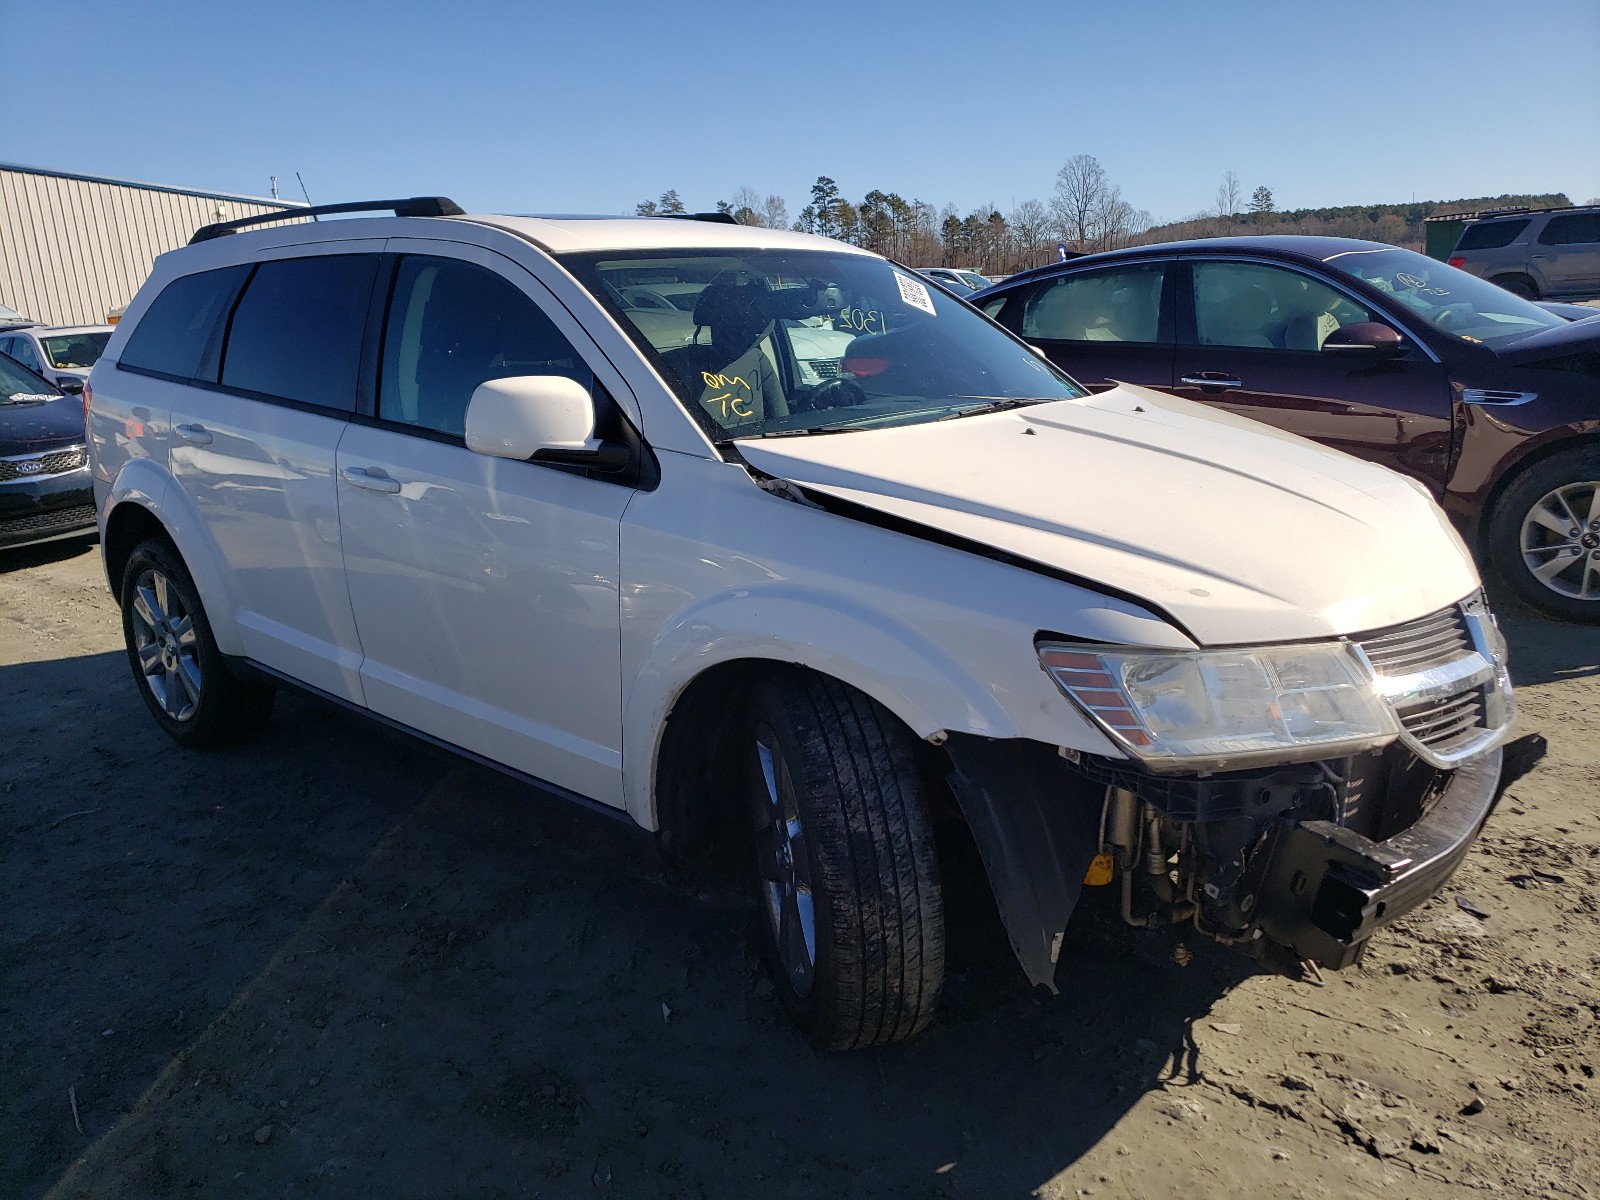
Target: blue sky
[(592, 106)]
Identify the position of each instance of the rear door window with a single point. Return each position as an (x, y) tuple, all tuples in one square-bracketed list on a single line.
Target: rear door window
[(1490, 235), (1570, 231), (179, 333), (453, 325), (296, 334)]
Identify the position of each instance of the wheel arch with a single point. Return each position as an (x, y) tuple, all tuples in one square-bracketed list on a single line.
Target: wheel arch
[(1522, 460)]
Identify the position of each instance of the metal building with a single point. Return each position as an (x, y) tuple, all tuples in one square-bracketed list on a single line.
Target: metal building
[(75, 247)]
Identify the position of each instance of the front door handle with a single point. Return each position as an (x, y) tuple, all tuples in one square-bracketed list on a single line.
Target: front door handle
[(372, 479), (195, 435), (1220, 383)]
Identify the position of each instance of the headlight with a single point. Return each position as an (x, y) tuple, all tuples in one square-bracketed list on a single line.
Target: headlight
[(1211, 710)]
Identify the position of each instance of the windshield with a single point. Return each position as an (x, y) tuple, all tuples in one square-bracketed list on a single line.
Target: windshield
[(75, 349), (1461, 305), (761, 343), (18, 385)]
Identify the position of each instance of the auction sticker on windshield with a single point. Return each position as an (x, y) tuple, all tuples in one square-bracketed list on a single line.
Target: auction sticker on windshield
[(914, 294)]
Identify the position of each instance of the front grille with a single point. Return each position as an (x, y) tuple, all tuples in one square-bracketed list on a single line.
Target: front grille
[(1433, 641), (51, 521), (1414, 660), (1448, 724), (827, 368), (57, 462)]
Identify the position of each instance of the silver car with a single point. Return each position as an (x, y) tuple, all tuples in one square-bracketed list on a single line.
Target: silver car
[(1538, 254)]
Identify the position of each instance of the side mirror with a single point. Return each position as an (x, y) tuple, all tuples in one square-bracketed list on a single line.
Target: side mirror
[(72, 386), (1365, 337), (546, 418)]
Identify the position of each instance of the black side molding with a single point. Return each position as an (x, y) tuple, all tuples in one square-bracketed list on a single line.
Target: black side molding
[(415, 206)]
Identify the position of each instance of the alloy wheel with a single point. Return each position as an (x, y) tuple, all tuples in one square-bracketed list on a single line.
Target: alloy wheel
[(783, 868), (166, 644)]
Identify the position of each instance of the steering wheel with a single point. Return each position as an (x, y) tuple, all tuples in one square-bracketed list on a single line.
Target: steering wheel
[(836, 393), (1452, 315)]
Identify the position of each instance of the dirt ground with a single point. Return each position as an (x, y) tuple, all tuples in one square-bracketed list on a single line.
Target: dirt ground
[(334, 963)]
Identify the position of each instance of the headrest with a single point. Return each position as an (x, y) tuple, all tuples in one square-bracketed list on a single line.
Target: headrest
[(734, 312)]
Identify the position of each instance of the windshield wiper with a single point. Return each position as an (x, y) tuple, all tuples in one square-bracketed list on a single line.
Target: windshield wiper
[(994, 404)]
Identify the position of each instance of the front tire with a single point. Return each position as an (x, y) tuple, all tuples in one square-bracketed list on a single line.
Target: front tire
[(1544, 535), (176, 664), (847, 880)]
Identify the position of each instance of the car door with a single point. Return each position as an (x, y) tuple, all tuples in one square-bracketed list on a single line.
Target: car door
[(253, 445), (1104, 326), (485, 590), (1252, 341), (1567, 253)]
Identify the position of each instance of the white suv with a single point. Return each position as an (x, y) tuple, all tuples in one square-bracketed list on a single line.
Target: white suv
[(429, 466)]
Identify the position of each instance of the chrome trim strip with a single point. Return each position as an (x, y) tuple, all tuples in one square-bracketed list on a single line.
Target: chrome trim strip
[(1496, 397)]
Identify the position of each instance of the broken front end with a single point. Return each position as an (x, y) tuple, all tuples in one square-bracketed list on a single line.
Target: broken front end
[(1289, 799)]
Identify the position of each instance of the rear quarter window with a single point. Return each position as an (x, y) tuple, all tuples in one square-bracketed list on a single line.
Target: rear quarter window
[(1570, 231), (179, 333), (296, 334), (1490, 235)]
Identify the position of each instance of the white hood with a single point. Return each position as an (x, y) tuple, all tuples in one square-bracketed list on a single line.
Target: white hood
[(1240, 532)]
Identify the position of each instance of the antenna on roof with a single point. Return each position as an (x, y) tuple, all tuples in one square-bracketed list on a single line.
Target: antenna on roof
[(306, 194)]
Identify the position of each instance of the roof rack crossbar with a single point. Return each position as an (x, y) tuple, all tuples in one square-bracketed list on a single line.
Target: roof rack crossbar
[(415, 206)]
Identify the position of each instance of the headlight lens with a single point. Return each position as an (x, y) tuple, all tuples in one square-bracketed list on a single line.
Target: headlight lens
[(1217, 709)]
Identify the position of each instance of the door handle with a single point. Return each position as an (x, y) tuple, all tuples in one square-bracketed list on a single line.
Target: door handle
[(372, 479), (1202, 381), (195, 435)]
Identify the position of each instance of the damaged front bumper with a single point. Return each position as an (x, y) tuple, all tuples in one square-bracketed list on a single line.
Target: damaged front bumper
[(1312, 859), (1327, 889)]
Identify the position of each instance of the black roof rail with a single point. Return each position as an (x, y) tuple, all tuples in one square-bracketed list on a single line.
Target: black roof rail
[(716, 218), (416, 206)]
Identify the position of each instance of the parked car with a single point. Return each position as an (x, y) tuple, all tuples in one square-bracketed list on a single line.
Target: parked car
[(1569, 312), (44, 465), (960, 281), (1551, 254), (437, 471), (1487, 400), (10, 317), (63, 354)]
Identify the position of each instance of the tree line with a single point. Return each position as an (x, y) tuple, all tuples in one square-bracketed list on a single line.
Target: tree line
[(1085, 212)]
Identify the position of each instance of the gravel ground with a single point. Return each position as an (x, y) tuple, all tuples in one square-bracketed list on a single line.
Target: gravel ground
[(335, 963)]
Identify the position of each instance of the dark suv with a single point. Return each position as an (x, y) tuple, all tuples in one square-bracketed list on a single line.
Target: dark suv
[(1550, 254), (1487, 400)]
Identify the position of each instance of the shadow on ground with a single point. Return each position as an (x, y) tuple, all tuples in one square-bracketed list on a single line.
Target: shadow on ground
[(332, 962)]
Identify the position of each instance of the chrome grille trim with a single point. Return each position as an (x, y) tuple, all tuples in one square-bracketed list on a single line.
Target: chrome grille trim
[(1445, 680), (56, 462)]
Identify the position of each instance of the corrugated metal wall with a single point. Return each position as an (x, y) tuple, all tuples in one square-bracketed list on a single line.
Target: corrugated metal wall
[(72, 248)]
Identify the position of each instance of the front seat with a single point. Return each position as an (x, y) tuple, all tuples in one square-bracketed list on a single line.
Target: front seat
[(741, 383)]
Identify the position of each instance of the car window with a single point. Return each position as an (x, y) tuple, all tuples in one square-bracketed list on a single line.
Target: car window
[(178, 333), (75, 349), (296, 333), (1572, 230), (453, 325), (20, 386), (1490, 235), (1265, 307), (782, 341), (1120, 305), (22, 350), (1448, 299)]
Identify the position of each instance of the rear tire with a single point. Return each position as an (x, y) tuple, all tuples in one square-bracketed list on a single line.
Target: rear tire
[(846, 875), (1544, 535), (176, 664), (1517, 285)]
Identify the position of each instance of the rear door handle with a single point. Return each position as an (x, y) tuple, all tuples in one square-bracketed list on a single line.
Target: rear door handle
[(372, 479), (1202, 381), (195, 435)]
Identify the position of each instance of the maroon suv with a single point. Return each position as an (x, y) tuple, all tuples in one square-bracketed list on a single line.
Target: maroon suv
[(1489, 401)]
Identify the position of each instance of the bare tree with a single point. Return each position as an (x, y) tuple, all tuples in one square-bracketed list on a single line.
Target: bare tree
[(746, 206), (1079, 198), (1030, 234), (774, 212), (1229, 193)]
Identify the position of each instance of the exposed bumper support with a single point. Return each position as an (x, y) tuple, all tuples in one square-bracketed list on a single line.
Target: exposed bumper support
[(1327, 890)]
